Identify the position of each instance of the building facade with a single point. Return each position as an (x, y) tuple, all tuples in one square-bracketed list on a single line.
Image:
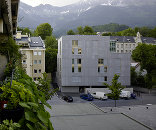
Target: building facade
[(33, 55), (8, 24), (86, 61)]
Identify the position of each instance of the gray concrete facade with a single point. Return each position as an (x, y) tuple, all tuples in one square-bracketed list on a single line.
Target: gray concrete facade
[(89, 72)]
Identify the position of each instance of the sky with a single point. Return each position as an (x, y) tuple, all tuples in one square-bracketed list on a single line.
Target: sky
[(52, 2)]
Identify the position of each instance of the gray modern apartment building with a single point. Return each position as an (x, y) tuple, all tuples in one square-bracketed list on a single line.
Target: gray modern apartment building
[(86, 61)]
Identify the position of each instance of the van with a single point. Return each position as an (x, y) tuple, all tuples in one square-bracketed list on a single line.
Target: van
[(125, 94), (99, 95)]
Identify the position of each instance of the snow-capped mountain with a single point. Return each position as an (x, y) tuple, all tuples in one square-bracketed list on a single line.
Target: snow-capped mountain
[(90, 12)]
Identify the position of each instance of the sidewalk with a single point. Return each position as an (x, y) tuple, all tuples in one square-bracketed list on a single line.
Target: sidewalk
[(145, 114)]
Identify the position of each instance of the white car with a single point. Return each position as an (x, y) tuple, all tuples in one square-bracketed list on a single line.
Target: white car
[(99, 95), (125, 94)]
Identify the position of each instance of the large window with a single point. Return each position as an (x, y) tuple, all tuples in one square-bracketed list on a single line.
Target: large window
[(39, 53), (79, 69), (113, 46), (35, 53), (35, 61), (74, 43), (35, 71), (78, 61), (39, 61), (100, 61)]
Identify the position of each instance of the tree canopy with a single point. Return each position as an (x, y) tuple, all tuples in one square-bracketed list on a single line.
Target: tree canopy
[(70, 32), (146, 55), (44, 30), (115, 88), (51, 42)]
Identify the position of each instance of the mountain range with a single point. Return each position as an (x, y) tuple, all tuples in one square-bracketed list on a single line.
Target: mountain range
[(89, 12)]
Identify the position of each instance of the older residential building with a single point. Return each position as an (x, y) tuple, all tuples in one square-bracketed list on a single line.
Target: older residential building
[(8, 24), (126, 44), (33, 54), (86, 61)]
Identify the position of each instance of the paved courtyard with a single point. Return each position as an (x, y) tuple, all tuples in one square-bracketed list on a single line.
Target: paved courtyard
[(136, 109)]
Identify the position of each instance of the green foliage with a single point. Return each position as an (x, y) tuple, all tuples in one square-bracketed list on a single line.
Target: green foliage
[(80, 30), (10, 49), (112, 27), (146, 55), (16, 93), (44, 86), (24, 31), (133, 76), (70, 32), (44, 30), (51, 42), (9, 125), (51, 60), (115, 88), (128, 32)]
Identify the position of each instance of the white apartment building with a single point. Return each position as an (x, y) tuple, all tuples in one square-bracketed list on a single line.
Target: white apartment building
[(86, 61), (33, 55)]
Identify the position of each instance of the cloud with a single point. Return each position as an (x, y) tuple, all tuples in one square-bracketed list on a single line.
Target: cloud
[(52, 2)]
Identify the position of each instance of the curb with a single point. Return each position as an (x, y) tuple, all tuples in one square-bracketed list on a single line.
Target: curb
[(97, 107)]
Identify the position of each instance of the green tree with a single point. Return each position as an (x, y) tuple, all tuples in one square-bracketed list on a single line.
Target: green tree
[(88, 30), (44, 30), (146, 55), (51, 42), (128, 32), (115, 88), (51, 60), (80, 30), (70, 32), (133, 76)]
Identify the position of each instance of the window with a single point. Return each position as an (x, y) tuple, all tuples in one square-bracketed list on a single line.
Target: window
[(121, 50), (105, 69), (24, 61), (72, 61), (79, 69), (39, 53), (105, 78), (35, 71), (39, 61), (79, 51), (60, 47), (72, 50), (74, 43), (78, 61), (73, 69), (133, 45), (129, 45), (35, 53), (121, 45), (98, 69), (35, 61), (39, 71), (112, 46), (117, 50), (34, 78), (100, 61), (117, 45)]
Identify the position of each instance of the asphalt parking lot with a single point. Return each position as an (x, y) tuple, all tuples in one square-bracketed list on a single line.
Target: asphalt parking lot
[(143, 99)]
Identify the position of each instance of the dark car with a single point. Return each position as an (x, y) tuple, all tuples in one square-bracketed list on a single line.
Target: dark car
[(133, 95), (67, 98), (87, 97)]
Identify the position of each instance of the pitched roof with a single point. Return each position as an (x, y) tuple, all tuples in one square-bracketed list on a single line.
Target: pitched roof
[(148, 40), (36, 42), (123, 39)]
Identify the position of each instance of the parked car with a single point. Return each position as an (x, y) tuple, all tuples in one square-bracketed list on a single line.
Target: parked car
[(100, 95), (125, 94), (67, 98), (87, 97), (133, 95)]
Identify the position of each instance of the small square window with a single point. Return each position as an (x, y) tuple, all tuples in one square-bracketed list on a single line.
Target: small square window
[(79, 51), (73, 69), (39, 61), (79, 69), (24, 61), (39, 70), (105, 78), (39, 53), (35, 53), (78, 61), (100, 61), (35, 61), (35, 71), (98, 69), (72, 61), (105, 69)]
